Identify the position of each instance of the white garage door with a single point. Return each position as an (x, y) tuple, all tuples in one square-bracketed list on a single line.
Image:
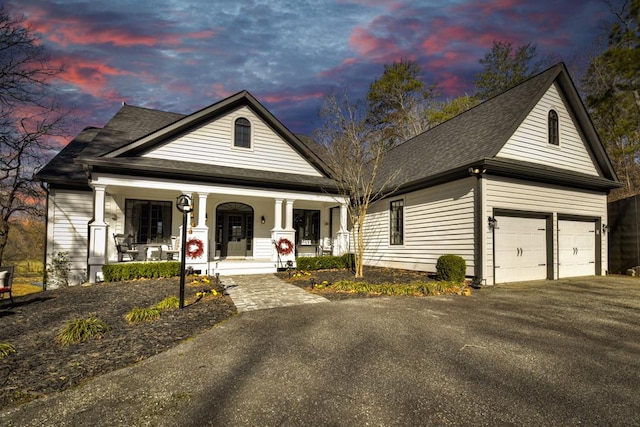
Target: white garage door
[(520, 249), (576, 248)]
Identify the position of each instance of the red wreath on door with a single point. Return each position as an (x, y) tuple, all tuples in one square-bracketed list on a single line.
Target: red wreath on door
[(195, 248), (284, 246)]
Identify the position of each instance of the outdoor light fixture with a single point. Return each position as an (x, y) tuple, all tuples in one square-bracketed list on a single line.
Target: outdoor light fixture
[(183, 203), (605, 228), (262, 220), (493, 223)]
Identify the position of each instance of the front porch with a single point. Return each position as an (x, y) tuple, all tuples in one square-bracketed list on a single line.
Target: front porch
[(230, 230)]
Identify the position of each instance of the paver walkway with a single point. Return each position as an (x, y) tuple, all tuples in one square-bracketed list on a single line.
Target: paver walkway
[(261, 291)]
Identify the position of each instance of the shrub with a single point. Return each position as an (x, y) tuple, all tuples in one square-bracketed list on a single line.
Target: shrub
[(451, 268), (324, 262), (6, 349), (139, 270), (142, 314), (80, 330), (168, 303)]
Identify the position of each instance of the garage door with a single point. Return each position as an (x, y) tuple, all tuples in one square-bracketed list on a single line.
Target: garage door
[(576, 248), (520, 249)]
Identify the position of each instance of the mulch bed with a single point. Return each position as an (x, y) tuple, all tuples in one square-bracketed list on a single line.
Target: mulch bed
[(372, 275), (41, 366)]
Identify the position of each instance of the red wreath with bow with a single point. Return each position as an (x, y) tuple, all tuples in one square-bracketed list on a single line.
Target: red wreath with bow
[(195, 248), (284, 246)]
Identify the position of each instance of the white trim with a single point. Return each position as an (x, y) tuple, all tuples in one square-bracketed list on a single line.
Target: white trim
[(218, 189)]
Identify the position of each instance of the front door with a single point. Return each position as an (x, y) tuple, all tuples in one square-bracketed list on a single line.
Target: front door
[(236, 235), (234, 230)]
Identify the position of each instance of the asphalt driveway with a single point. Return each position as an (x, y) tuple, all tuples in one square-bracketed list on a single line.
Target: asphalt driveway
[(545, 353)]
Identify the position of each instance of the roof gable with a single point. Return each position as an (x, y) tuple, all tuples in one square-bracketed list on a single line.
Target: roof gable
[(151, 142), (212, 143), (481, 132), (530, 142)]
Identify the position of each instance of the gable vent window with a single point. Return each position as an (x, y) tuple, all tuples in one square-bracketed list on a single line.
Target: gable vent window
[(554, 137), (396, 222), (242, 133)]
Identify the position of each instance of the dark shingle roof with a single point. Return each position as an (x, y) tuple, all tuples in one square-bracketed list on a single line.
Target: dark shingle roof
[(471, 136), (211, 173), (128, 124), (62, 167), (478, 134)]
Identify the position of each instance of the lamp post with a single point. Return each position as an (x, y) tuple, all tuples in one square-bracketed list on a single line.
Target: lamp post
[(183, 204)]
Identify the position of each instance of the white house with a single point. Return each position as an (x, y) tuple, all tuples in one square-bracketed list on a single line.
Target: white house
[(517, 186)]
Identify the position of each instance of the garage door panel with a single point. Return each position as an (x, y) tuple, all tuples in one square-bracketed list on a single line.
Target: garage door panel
[(520, 249), (576, 248)]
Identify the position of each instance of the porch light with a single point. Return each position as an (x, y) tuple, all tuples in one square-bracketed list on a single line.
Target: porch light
[(262, 220), (493, 223), (183, 203)]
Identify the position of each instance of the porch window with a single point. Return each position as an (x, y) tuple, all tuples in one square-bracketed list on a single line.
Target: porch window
[(242, 137), (148, 220), (307, 225), (397, 222)]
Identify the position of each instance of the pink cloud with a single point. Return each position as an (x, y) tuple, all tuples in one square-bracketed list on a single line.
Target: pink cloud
[(365, 43), (75, 31), (291, 97)]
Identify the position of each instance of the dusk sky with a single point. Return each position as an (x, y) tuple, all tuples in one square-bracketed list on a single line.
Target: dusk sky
[(184, 55)]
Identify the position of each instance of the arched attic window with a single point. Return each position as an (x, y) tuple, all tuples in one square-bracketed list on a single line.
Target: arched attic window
[(554, 134), (242, 133)]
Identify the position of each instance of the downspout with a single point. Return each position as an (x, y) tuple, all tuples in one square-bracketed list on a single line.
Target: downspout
[(478, 226), (46, 236)]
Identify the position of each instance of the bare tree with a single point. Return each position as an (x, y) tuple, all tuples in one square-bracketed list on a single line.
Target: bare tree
[(355, 155), (29, 117)]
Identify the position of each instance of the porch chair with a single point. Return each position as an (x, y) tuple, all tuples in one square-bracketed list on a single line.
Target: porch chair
[(124, 246), (6, 280), (326, 247)]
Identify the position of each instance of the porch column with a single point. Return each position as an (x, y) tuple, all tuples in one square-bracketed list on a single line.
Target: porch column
[(202, 209), (200, 232), (343, 234), (288, 219), (277, 215), (97, 235), (343, 217)]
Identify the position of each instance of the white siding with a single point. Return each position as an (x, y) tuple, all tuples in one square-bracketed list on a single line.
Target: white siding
[(212, 143), (530, 141), (507, 193), (69, 216), (437, 221)]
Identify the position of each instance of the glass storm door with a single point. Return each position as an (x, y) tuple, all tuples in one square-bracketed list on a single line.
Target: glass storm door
[(234, 230), (236, 235)]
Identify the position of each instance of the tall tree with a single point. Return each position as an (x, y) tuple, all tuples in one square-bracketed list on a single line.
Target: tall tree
[(29, 116), (355, 155), (505, 67), (612, 88), (398, 102), (450, 108)]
